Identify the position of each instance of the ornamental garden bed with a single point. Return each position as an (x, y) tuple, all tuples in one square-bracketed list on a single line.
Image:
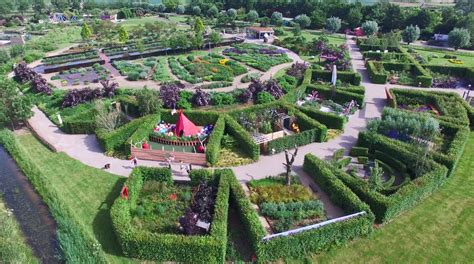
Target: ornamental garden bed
[(260, 57), (285, 206), (144, 69), (82, 76), (156, 219), (211, 67)]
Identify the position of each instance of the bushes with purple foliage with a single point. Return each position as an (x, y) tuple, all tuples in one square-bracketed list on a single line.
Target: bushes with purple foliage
[(251, 93), (24, 74), (169, 94), (201, 98), (85, 95)]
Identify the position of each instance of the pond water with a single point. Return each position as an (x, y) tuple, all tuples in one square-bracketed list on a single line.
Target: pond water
[(32, 214)]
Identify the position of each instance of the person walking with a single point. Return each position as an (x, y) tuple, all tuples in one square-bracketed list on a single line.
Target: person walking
[(135, 161)]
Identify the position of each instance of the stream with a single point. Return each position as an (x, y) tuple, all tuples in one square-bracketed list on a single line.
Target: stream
[(32, 215)]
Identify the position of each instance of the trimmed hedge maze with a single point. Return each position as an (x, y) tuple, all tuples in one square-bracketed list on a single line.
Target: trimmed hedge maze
[(398, 59)]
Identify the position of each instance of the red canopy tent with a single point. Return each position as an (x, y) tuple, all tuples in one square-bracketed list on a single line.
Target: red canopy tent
[(184, 127)]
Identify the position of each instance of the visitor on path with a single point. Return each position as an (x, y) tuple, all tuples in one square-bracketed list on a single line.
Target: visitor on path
[(181, 166), (107, 166), (135, 161)]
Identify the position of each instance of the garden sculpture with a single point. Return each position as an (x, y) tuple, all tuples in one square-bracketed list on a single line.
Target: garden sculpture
[(290, 159)]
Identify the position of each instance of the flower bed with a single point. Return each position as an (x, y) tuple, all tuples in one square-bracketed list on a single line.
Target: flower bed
[(83, 75), (285, 206), (212, 67), (260, 57)]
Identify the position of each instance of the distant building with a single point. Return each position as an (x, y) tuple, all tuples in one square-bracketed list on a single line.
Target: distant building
[(260, 32), (440, 37)]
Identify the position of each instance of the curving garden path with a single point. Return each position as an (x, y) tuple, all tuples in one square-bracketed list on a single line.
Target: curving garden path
[(86, 148)]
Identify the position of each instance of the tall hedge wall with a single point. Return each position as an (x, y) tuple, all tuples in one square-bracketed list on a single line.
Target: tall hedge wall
[(342, 95), (353, 78), (117, 140), (246, 142), (137, 243), (214, 144), (330, 120)]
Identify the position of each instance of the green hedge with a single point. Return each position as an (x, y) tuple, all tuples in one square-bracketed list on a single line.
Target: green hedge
[(200, 118), (129, 104), (353, 78), (374, 74), (246, 142), (117, 140), (384, 207), (422, 75), (342, 95), (140, 244), (365, 47), (144, 129), (330, 120), (359, 152), (293, 95), (77, 245), (214, 144)]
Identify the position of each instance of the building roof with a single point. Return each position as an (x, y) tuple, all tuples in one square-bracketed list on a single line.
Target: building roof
[(261, 29)]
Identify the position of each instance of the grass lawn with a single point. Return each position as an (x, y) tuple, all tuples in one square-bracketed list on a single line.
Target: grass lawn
[(311, 34), (438, 230), (89, 192), (467, 58), (13, 248)]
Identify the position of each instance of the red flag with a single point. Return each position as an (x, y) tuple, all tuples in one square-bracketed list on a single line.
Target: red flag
[(124, 192)]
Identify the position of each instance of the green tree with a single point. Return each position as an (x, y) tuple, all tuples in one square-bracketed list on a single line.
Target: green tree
[(161, 8), (17, 50), (215, 37), (86, 32), (303, 20), (171, 4), (198, 26), (6, 8), (196, 10), (252, 16), (370, 27), (318, 19), (393, 18), (14, 107), (375, 178), (149, 101), (333, 24), (459, 38), (39, 6), (212, 11), (60, 4), (123, 34), (411, 34), (231, 14), (354, 17), (4, 56), (180, 9), (198, 41), (277, 18), (22, 5)]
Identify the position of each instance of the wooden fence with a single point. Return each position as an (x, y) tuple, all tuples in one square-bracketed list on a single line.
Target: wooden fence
[(163, 155)]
